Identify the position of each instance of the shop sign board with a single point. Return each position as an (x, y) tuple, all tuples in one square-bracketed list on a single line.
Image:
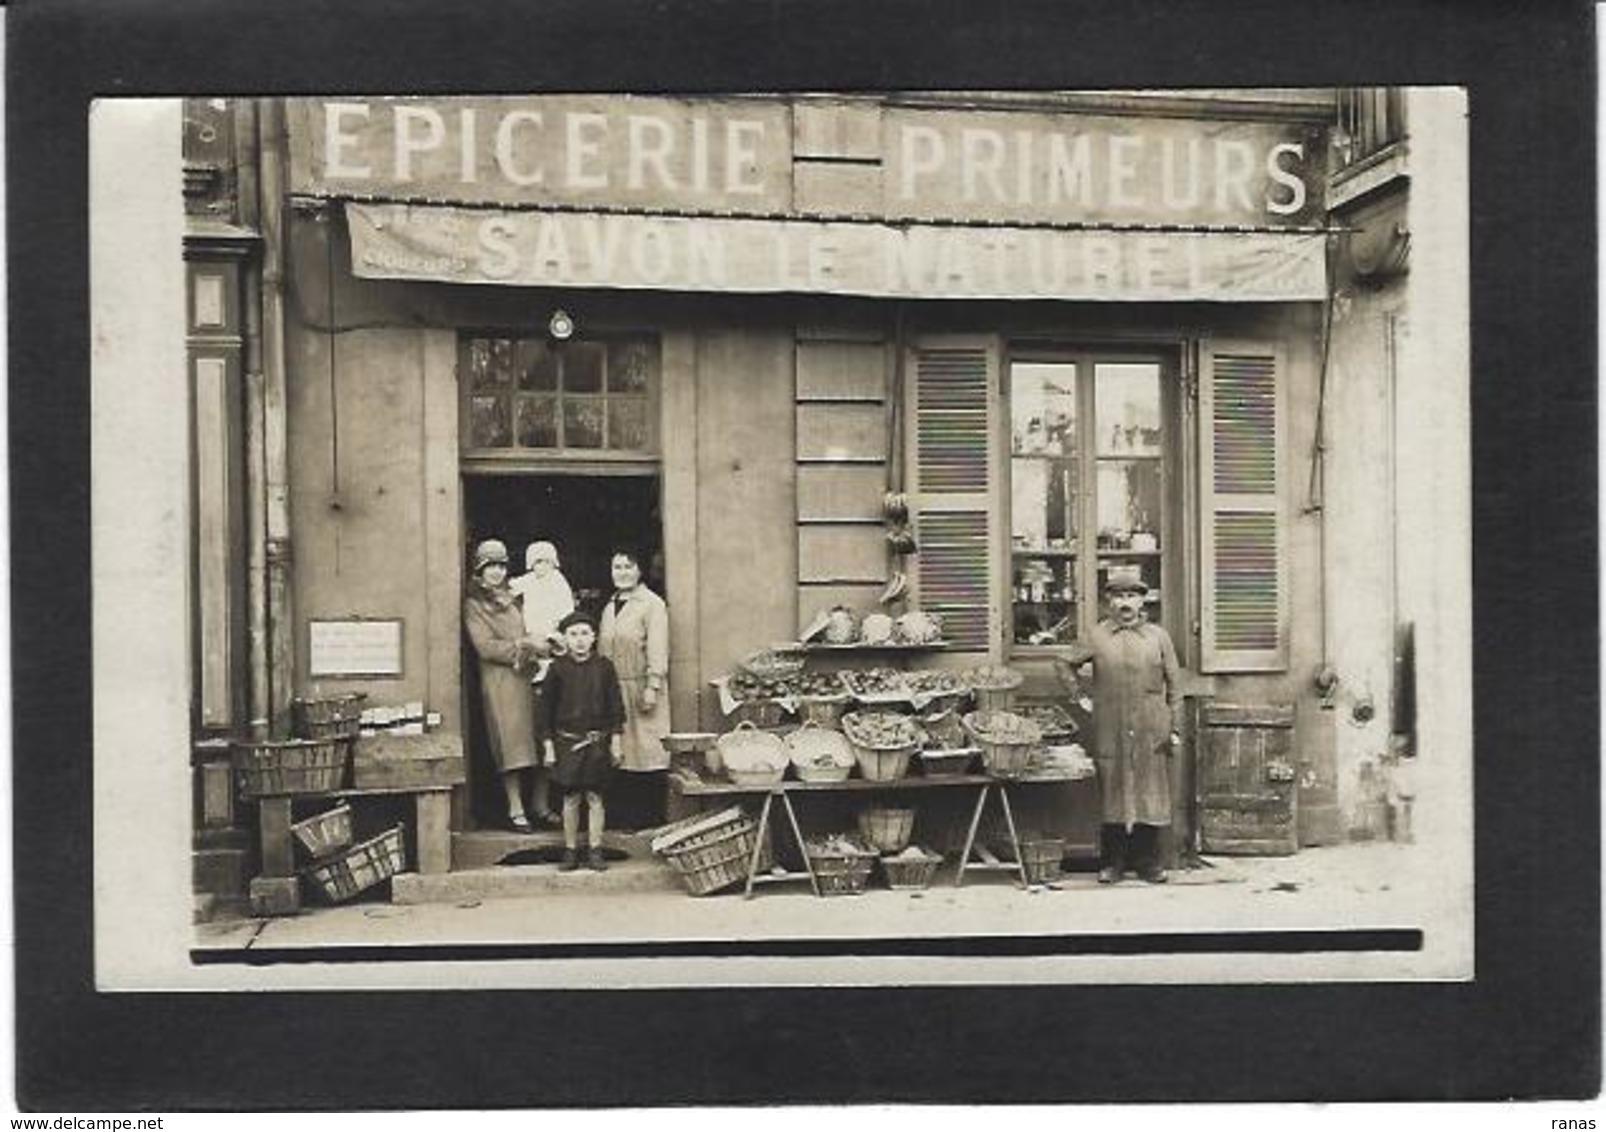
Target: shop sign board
[(745, 157), (578, 249), (354, 647)]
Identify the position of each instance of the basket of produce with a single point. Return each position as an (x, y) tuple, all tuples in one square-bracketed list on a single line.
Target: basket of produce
[(951, 760), (841, 866), (887, 829), (994, 686), (773, 664), (819, 755), (821, 698), (936, 689), (360, 867), (876, 685), (329, 717), (290, 766), (883, 742), (1051, 718), (325, 833), (752, 757), (943, 729), (917, 627), (1006, 740), (711, 852), (914, 868), (748, 699), (1043, 859)]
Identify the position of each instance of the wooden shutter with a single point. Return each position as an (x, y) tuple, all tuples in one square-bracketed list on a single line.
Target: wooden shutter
[(951, 454), (1244, 552)]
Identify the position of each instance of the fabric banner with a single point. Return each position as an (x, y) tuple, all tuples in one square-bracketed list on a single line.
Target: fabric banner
[(592, 249)]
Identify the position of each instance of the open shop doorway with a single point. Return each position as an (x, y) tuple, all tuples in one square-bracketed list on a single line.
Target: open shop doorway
[(587, 517)]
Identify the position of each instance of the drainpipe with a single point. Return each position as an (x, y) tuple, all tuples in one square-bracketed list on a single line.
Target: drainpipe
[(256, 530), (277, 544)]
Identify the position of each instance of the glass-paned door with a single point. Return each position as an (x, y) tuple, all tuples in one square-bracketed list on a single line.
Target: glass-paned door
[(1091, 441)]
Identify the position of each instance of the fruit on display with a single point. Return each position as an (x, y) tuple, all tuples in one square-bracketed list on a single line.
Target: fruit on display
[(1003, 727), (917, 627), (935, 682), (819, 686), (839, 626), (881, 730), (745, 686), (876, 629), (881, 682), (993, 677)]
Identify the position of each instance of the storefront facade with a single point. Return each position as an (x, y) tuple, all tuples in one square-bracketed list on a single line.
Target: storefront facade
[(1080, 334)]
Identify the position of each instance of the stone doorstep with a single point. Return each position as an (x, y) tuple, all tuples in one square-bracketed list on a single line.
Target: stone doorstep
[(482, 849), (643, 875)]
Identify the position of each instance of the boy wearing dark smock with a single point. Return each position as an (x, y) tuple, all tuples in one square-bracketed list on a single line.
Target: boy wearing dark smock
[(583, 716), (1137, 723)]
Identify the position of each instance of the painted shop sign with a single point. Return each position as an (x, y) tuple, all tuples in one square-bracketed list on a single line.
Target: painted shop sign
[(764, 157), (575, 249)]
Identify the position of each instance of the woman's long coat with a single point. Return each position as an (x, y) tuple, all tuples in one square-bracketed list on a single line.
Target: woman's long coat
[(1137, 704), (636, 639), (494, 625)]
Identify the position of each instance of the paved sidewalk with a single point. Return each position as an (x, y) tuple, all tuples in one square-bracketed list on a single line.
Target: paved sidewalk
[(1350, 887)]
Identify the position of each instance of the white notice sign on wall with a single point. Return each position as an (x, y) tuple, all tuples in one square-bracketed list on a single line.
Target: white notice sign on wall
[(354, 648)]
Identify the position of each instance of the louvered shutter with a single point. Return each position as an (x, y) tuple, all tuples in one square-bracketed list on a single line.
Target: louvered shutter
[(950, 457), (1244, 587)]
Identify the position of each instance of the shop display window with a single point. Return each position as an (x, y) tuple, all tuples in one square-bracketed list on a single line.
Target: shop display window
[(529, 394), (1087, 489)]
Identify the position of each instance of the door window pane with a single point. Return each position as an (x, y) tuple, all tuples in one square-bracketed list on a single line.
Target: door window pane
[(628, 366), (536, 366), (488, 426), (627, 423), (1043, 494), (538, 422), (582, 423), (582, 367), (1128, 503)]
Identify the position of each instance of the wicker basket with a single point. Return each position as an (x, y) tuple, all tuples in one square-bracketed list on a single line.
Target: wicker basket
[(876, 763), (712, 853), (1043, 859), (994, 687), (841, 874), (822, 711), (756, 776), (325, 833), (360, 867), (290, 766), (329, 717), (746, 750), (819, 755), (954, 760), (907, 872), (887, 828), (1004, 760)]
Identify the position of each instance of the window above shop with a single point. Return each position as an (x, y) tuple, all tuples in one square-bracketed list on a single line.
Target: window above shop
[(527, 395)]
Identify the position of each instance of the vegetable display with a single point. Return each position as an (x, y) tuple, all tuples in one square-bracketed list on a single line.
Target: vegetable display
[(935, 682), (878, 682), (993, 677), (881, 730), (1003, 727)]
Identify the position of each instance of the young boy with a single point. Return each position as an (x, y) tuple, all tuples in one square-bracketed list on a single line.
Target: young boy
[(582, 716)]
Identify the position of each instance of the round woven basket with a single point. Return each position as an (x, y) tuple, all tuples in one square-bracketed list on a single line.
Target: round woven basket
[(1003, 759), (887, 828), (911, 872), (758, 757), (819, 755)]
